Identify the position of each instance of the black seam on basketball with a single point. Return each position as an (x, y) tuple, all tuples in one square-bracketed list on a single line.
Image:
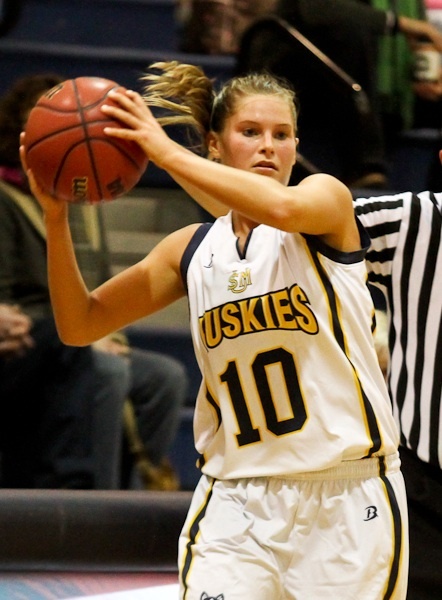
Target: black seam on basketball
[(53, 134), (71, 148), (119, 147), (70, 128), (99, 100), (60, 168), (54, 109), (81, 111)]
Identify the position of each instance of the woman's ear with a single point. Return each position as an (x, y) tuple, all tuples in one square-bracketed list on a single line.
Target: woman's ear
[(296, 152), (212, 147)]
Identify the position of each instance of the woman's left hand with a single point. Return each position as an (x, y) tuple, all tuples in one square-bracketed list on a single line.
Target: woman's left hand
[(49, 204)]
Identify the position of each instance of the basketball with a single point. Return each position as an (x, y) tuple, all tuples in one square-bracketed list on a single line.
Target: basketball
[(69, 154)]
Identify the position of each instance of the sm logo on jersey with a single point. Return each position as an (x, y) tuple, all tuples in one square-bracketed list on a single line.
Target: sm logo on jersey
[(288, 308), (238, 282)]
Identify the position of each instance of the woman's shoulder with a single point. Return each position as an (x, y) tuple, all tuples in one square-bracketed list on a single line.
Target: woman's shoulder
[(182, 240)]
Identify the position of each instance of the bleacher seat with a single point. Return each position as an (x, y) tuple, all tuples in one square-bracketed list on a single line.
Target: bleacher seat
[(414, 157), (115, 23), (76, 530)]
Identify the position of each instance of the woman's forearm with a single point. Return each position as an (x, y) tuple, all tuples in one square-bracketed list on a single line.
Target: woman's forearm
[(69, 295)]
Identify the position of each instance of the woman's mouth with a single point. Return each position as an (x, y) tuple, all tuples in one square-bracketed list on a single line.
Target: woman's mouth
[(265, 166)]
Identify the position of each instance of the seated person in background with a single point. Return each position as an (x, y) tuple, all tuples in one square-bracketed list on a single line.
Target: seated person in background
[(216, 27), (14, 331), (345, 140), (65, 404), (156, 386), (409, 74)]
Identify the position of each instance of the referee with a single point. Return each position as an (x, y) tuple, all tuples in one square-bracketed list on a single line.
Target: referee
[(405, 262)]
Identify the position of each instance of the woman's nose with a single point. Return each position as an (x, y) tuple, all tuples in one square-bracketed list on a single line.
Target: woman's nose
[(267, 143)]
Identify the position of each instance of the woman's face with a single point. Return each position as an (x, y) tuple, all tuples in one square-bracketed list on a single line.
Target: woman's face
[(258, 137)]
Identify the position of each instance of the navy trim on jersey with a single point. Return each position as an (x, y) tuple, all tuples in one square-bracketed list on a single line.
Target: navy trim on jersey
[(338, 256), (338, 331), (196, 240), (210, 399), (242, 254), (397, 525), (193, 533)]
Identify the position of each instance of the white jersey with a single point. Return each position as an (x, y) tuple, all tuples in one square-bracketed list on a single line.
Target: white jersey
[(283, 337)]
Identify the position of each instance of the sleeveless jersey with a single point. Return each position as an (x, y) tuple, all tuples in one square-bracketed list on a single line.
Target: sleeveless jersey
[(283, 338)]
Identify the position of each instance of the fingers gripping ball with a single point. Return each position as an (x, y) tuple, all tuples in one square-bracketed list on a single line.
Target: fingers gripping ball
[(71, 157)]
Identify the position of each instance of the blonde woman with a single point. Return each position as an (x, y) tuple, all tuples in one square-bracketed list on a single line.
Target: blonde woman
[(301, 494)]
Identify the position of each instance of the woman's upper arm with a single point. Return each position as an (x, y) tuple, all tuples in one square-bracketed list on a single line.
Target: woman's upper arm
[(321, 205), (144, 288), (161, 268)]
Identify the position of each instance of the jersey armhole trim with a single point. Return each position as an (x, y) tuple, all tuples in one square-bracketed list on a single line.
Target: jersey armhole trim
[(190, 250), (346, 258)]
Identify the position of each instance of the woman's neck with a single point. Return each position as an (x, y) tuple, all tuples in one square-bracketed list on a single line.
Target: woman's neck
[(242, 226)]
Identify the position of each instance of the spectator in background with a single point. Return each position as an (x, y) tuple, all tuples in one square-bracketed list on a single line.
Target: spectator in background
[(14, 331), (216, 27), (349, 33), (9, 13), (61, 401), (409, 92)]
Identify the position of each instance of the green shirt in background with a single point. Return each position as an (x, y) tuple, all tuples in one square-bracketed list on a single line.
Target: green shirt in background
[(395, 64)]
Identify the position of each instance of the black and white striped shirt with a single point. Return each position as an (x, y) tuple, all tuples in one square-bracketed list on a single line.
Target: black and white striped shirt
[(405, 261)]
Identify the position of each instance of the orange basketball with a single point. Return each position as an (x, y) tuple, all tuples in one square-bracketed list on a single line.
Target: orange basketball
[(70, 155)]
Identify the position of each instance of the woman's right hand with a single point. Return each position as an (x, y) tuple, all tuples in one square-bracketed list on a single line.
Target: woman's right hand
[(141, 126)]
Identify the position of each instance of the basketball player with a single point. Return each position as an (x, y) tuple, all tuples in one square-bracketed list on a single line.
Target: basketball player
[(301, 494)]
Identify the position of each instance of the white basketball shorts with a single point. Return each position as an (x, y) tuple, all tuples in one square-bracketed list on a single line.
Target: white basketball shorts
[(339, 534)]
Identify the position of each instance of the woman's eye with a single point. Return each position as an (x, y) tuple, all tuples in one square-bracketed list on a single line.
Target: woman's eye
[(249, 132), (281, 135)]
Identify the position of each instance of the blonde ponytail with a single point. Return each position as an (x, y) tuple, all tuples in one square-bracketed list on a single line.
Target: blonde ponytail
[(184, 92), (188, 97)]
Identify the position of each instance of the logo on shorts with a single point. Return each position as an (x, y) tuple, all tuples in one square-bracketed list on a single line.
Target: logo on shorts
[(371, 513), (204, 596)]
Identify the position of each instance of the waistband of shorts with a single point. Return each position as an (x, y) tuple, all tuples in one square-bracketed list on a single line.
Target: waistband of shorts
[(363, 468)]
